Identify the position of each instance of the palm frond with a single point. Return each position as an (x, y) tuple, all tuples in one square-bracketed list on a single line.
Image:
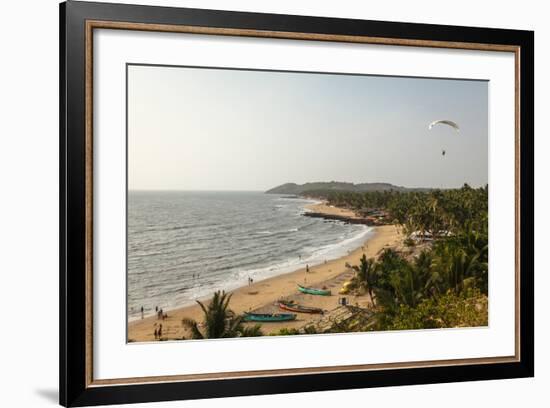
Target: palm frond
[(193, 326)]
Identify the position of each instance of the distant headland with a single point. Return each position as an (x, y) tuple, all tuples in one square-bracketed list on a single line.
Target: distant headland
[(308, 188)]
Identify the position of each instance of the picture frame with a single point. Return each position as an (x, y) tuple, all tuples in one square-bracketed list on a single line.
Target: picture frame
[(79, 21)]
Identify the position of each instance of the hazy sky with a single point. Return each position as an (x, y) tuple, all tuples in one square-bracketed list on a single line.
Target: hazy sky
[(214, 129)]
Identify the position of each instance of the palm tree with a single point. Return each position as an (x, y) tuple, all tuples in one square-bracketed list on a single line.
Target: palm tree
[(253, 331), (366, 275), (405, 286), (453, 265), (219, 321), (422, 267)]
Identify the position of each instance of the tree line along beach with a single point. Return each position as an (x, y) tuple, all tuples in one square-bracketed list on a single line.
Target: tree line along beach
[(425, 250)]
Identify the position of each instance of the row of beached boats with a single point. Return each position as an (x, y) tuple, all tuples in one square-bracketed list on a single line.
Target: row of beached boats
[(290, 306)]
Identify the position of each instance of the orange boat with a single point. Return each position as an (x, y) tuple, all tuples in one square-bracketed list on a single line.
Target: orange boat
[(295, 307)]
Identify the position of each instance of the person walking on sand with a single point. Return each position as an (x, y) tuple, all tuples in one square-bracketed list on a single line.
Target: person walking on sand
[(307, 268), (160, 331), (156, 334), (142, 312)]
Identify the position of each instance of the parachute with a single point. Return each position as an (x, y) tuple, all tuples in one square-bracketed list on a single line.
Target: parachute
[(444, 122)]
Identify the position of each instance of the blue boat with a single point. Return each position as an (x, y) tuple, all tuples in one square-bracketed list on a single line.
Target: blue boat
[(314, 291), (269, 317)]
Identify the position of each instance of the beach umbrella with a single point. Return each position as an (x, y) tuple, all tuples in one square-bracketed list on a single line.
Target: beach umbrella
[(447, 123)]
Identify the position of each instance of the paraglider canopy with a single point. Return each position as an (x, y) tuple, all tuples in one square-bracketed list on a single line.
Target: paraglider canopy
[(447, 123), (444, 122)]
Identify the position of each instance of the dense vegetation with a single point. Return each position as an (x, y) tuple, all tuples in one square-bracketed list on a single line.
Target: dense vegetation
[(444, 284), (433, 211)]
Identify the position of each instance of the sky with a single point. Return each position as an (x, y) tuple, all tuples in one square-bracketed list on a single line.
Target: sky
[(217, 129)]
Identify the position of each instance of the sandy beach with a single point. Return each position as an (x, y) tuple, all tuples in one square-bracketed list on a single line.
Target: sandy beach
[(261, 296), (324, 208)]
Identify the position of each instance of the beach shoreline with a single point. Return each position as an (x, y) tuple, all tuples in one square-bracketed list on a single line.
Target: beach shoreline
[(317, 206), (330, 210), (261, 296)]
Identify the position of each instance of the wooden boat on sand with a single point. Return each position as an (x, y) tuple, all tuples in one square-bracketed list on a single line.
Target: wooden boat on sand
[(314, 291), (295, 307), (269, 317)]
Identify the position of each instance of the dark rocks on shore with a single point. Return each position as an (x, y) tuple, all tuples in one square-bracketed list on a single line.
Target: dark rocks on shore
[(342, 218)]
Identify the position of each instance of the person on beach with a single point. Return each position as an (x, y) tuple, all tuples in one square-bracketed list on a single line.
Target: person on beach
[(160, 331), (156, 308), (142, 312), (156, 334), (307, 268)]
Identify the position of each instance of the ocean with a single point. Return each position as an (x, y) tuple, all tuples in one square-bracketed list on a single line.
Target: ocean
[(184, 246)]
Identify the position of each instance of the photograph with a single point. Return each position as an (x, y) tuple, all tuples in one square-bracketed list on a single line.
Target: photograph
[(278, 203), (255, 203)]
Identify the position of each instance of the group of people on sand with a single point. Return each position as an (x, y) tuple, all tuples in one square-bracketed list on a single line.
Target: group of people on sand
[(160, 314), (158, 332)]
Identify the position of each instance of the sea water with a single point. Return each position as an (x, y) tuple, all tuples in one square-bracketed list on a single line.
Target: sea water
[(183, 246)]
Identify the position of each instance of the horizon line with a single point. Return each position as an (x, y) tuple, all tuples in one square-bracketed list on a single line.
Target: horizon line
[(175, 190)]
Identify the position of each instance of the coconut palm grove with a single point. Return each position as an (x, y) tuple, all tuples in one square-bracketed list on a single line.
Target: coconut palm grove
[(444, 281)]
